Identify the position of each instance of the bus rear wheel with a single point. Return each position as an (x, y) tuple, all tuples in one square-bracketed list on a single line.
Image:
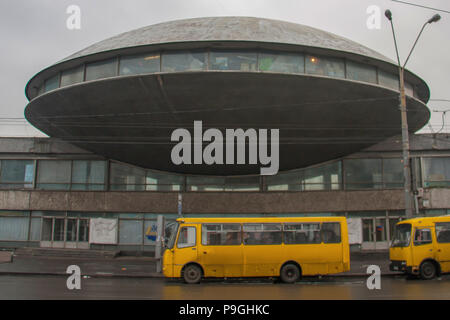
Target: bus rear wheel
[(192, 274), (428, 270), (289, 273)]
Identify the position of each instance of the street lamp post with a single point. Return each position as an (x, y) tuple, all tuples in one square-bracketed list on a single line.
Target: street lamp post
[(404, 119)]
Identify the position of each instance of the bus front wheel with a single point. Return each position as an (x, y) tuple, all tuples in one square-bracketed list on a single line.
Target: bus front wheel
[(427, 270), (192, 274), (289, 273)]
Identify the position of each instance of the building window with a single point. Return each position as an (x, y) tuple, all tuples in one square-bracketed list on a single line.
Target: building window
[(232, 60), (325, 177), (131, 232), (16, 174), (361, 72), (436, 172), (330, 67), (393, 173), (88, 175), (284, 62), (51, 83), (289, 181), (388, 80), (363, 173), (184, 61), (203, 183), (156, 181), (101, 69), (72, 76), (53, 174), (127, 178), (139, 64), (14, 225)]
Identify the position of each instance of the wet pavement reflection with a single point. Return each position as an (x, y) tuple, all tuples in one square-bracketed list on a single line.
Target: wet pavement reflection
[(54, 287)]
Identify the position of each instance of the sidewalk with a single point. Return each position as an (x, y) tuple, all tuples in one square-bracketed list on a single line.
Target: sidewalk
[(144, 267)]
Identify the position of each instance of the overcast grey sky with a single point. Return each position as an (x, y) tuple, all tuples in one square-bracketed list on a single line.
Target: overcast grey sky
[(34, 35)]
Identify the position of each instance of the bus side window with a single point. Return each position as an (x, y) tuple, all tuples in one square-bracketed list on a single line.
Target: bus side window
[(422, 236), (331, 232), (186, 237), (443, 232)]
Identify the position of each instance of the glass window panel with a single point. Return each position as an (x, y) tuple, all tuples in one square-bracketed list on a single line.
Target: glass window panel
[(83, 230), (58, 230), (389, 80), (51, 83), (88, 175), (443, 232), (71, 230), (53, 174), (330, 67), (139, 64), (47, 229), (127, 178), (325, 177), (362, 173), (36, 225), (13, 228), (262, 234), (130, 231), (203, 183), (72, 76), (380, 229), (186, 238), (221, 234), (242, 183), (331, 232), (289, 181), (285, 62), (16, 173), (232, 60), (163, 181), (361, 72), (183, 61), (436, 172), (422, 236), (393, 173), (101, 69), (301, 233)]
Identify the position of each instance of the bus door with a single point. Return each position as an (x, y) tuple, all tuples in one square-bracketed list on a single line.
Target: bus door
[(423, 246), (186, 246), (443, 245), (220, 252)]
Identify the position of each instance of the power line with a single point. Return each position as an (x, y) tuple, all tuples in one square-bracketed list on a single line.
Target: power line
[(421, 6)]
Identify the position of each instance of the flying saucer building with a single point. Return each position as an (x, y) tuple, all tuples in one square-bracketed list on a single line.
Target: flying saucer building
[(110, 110), (124, 96)]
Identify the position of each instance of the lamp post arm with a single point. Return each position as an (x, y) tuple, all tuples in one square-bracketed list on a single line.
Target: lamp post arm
[(417, 39)]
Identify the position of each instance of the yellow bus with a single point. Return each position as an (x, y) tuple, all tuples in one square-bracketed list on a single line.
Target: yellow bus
[(256, 247), (421, 246)]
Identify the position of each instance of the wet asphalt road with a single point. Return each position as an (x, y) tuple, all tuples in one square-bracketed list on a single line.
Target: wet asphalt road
[(54, 287)]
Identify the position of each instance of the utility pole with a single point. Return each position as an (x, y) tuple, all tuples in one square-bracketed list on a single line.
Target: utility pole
[(404, 117)]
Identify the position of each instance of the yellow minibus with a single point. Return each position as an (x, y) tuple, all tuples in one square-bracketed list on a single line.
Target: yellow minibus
[(256, 247), (421, 246)]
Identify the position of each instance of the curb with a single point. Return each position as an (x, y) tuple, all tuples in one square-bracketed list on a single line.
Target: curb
[(95, 275)]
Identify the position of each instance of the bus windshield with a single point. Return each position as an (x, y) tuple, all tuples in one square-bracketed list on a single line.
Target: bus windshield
[(402, 235), (171, 234)]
